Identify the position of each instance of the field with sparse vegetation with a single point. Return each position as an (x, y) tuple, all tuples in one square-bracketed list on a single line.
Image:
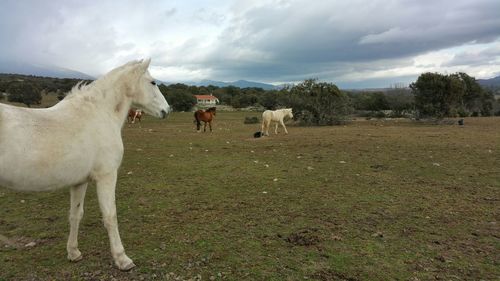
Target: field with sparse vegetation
[(372, 200)]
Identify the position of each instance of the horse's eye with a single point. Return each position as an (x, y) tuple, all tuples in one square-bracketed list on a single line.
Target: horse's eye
[(153, 82)]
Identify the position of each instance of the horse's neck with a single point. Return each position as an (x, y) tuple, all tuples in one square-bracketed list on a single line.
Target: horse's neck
[(101, 99)]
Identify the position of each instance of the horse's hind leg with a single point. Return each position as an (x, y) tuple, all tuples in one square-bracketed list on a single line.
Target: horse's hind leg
[(204, 126), (276, 128), (75, 215), (106, 185)]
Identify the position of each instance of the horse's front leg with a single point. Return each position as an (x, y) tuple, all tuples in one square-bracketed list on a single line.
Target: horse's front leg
[(282, 124), (75, 216), (210, 125), (204, 126), (276, 128), (265, 128), (106, 186)]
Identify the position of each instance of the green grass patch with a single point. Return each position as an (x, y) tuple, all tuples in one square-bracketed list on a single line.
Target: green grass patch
[(372, 200)]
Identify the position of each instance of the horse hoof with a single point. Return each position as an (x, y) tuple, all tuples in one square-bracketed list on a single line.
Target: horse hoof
[(127, 267), (77, 259)]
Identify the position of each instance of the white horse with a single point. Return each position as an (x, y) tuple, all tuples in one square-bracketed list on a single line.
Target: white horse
[(275, 116), (78, 140)]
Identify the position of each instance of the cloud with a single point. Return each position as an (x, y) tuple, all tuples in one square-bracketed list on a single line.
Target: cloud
[(170, 12), (288, 40), (477, 56), (263, 40)]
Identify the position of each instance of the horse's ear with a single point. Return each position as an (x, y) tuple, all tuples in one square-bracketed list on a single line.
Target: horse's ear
[(144, 65)]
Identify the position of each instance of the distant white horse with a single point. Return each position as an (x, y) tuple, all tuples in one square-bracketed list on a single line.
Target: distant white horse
[(275, 116), (78, 140)]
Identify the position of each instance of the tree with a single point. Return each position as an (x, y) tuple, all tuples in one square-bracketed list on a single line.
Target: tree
[(487, 101), (317, 103), (374, 101), (429, 91), (269, 100), (244, 100), (400, 101), (178, 97), (438, 95), (24, 92)]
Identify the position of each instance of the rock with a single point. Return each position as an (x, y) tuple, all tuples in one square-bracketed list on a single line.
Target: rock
[(30, 245)]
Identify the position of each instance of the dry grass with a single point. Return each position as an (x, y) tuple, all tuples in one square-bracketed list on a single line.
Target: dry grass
[(373, 200)]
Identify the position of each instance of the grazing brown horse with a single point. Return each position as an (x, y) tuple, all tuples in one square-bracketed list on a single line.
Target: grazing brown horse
[(134, 114), (205, 116)]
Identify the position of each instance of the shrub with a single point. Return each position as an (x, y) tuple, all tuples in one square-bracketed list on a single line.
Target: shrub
[(317, 103), (24, 92)]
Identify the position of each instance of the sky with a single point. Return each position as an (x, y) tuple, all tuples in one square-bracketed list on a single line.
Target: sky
[(352, 43)]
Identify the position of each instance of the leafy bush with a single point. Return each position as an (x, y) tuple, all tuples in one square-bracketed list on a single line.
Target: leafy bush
[(438, 95), (24, 92), (179, 98), (316, 103)]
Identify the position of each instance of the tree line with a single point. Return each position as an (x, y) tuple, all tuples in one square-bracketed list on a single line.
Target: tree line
[(314, 102), (29, 90)]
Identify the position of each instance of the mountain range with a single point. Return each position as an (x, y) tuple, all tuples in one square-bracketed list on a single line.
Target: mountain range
[(490, 83), (58, 72), (238, 84), (10, 67)]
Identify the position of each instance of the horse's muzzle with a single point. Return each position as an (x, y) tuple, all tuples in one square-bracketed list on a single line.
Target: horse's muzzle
[(164, 114)]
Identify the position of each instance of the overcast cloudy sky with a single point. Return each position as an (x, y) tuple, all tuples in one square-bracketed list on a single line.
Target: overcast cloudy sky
[(353, 43)]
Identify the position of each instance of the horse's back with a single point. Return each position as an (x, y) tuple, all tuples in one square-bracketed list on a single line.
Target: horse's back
[(204, 116), (270, 115)]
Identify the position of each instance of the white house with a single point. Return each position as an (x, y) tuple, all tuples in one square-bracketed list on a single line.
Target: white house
[(206, 99)]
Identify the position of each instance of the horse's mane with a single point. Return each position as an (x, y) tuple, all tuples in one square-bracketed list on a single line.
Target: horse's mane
[(85, 87), (80, 87)]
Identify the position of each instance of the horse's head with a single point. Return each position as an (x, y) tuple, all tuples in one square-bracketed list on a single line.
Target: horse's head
[(146, 93), (288, 112), (212, 109)]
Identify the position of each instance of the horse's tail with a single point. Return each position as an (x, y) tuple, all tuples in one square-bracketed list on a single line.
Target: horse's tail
[(197, 120)]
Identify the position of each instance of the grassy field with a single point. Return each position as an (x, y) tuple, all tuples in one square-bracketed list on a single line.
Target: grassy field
[(372, 200)]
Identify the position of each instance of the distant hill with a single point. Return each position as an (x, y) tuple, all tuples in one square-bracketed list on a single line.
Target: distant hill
[(239, 84), (490, 83), (41, 70)]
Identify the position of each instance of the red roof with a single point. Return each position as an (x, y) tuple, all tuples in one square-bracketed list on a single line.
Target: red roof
[(205, 97)]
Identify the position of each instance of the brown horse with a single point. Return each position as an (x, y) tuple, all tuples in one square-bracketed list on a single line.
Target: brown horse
[(205, 116), (134, 114)]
